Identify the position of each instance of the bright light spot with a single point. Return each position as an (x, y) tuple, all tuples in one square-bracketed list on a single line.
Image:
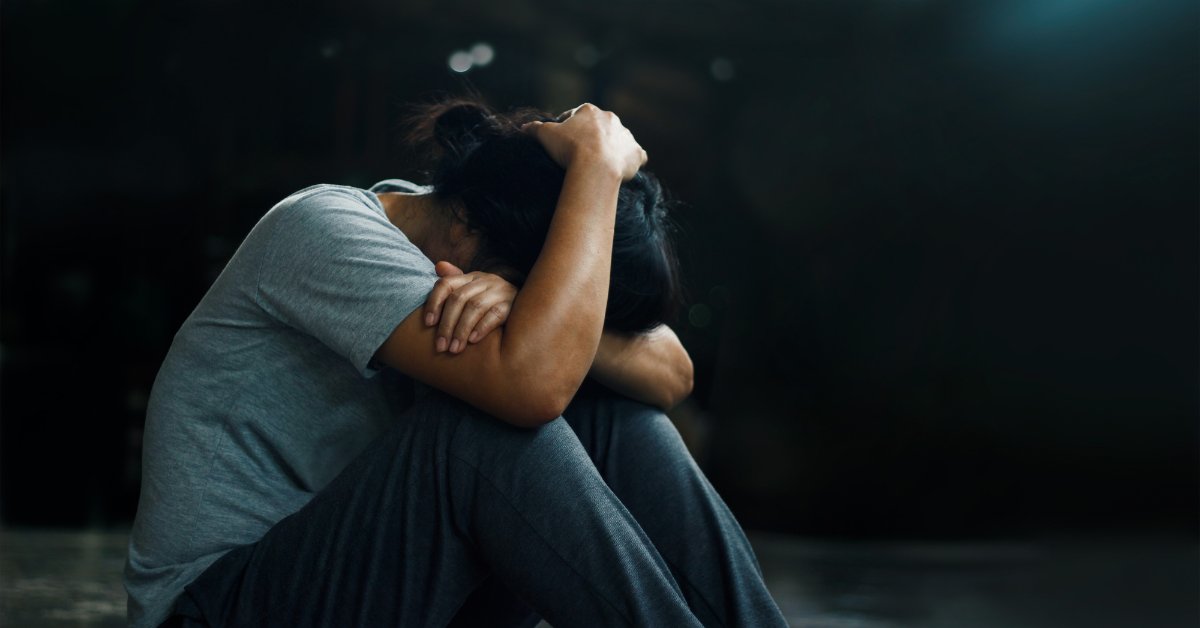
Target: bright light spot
[(587, 55), (482, 54), (722, 69), (699, 315), (460, 61)]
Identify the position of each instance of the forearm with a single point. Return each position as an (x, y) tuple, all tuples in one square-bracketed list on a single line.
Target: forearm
[(653, 367), (562, 302)]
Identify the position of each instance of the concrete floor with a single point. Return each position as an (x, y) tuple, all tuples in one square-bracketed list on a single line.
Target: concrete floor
[(58, 579)]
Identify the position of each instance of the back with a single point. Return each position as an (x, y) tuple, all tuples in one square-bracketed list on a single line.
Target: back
[(268, 390)]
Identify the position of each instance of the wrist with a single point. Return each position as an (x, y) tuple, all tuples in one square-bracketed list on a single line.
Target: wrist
[(596, 164)]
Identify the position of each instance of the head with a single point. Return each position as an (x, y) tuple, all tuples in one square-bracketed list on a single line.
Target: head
[(502, 188)]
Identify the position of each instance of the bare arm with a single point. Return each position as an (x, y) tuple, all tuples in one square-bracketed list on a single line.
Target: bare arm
[(527, 372), (652, 367)]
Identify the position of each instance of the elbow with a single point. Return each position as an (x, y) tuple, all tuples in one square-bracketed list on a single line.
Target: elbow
[(689, 376), (685, 391), (537, 405), (672, 395), (535, 414), (539, 390), (553, 401), (684, 382)]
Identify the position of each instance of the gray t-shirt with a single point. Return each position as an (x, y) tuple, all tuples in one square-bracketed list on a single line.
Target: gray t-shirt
[(268, 390)]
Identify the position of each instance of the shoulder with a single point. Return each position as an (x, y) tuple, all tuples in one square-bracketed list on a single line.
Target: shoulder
[(326, 210), (333, 222), (319, 200)]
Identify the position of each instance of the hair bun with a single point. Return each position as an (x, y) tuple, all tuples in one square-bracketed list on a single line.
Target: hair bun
[(461, 125)]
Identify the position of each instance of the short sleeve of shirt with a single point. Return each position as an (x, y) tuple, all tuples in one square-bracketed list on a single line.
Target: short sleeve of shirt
[(338, 270)]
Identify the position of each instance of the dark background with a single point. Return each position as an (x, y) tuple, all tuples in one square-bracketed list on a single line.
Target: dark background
[(941, 256)]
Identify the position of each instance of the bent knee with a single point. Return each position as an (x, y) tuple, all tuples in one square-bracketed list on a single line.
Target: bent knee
[(625, 419), (483, 439)]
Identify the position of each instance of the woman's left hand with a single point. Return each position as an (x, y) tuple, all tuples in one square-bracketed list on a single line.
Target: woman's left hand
[(466, 307)]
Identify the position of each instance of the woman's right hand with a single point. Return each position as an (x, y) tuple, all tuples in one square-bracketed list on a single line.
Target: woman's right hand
[(590, 136)]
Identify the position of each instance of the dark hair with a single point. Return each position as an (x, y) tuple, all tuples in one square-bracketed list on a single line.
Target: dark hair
[(505, 187)]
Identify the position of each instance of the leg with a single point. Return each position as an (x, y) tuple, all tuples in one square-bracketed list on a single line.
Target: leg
[(418, 521), (640, 455)]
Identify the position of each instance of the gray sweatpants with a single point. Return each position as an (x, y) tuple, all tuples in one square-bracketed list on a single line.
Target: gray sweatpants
[(598, 518)]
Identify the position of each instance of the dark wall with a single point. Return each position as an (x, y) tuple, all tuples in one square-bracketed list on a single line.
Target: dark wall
[(941, 256)]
